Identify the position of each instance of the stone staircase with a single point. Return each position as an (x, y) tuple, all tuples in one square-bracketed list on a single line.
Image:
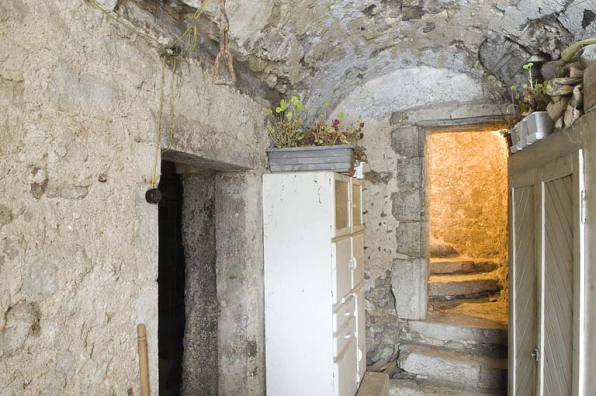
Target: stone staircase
[(453, 354), (461, 278)]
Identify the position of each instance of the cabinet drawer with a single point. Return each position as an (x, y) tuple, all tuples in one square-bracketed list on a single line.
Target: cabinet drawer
[(346, 376), (357, 263), (345, 336), (343, 314), (342, 275)]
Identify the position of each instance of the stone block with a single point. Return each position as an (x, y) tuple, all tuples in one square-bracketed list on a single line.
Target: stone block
[(410, 171), (382, 352), (453, 114), (410, 387), (456, 332), (549, 70), (410, 238), (408, 204), (503, 57), (455, 368), (408, 141), (239, 244), (408, 284), (469, 285), (200, 359)]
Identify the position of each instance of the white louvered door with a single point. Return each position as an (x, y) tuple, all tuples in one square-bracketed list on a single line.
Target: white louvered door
[(546, 274), (523, 289), (558, 286)]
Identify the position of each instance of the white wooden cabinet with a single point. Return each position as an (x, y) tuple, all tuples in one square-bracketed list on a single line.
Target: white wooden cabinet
[(546, 274), (314, 296)]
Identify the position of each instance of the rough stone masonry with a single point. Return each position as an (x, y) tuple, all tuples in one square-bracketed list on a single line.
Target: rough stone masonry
[(79, 100), (78, 242)]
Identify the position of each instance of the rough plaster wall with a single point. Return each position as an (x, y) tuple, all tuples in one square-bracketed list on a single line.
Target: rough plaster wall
[(200, 359), (468, 192), (78, 242)]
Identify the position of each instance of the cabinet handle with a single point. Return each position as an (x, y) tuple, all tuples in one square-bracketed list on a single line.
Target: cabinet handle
[(353, 263)]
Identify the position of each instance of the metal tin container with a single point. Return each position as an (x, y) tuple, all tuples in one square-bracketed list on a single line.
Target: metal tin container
[(303, 159), (539, 126)]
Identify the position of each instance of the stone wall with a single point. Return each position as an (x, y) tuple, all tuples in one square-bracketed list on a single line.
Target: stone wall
[(78, 243), (398, 118), (468, 192)]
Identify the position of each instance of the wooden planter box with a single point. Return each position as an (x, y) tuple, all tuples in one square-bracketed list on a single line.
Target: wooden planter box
[(316, 158)]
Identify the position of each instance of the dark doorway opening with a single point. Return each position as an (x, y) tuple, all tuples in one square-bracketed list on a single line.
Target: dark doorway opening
[(171, 282)]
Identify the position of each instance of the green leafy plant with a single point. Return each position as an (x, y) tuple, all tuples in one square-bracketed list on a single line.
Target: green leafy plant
[(355, 135), (532, 98), (285, 123), (286, 129)]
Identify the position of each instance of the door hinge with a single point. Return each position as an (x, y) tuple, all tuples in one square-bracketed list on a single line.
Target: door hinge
[(583, 207), (536, 354)]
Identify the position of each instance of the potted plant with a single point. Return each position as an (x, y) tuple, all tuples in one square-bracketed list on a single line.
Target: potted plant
[(320, 146), (531, 104)]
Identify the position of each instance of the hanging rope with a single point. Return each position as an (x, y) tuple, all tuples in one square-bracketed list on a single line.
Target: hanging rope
[(160, 116), (224, 53), (175, 51)]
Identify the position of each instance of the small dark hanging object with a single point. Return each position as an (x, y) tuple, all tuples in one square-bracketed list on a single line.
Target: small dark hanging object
[(224, 52), (153, 196)]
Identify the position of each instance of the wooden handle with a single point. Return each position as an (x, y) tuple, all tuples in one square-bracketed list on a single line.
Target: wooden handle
[(143, 359)]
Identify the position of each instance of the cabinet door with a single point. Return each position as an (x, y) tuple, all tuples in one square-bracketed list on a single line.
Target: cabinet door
[(357, 264), (558, 286), (547, 274), (563, 273), (342, 213), (523, 286), (341, 272), (356, 205)]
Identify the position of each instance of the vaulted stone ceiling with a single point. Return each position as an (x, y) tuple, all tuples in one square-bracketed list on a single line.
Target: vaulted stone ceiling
[(326, 48)]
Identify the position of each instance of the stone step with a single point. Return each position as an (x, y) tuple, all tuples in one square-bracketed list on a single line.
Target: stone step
[(493, 308), (453, 368), (458, 332), (426, 388), (442, 250), (460, 265), (448, 287)]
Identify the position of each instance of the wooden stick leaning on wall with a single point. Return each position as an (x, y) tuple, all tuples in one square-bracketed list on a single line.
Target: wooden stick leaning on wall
[(143, 359)]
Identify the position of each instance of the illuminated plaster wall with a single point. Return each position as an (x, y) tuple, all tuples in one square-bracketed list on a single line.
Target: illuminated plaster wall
[(468, 192)]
